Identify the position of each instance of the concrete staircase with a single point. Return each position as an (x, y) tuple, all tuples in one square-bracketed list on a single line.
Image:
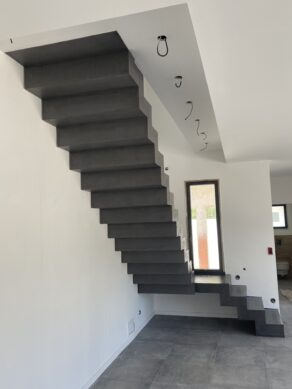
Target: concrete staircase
[(92, 91)]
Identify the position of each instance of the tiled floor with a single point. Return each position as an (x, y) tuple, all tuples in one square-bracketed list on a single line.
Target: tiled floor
[(192, 353)]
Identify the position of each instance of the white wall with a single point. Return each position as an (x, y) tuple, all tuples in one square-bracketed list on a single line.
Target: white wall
[(246, 215), (65, 297)]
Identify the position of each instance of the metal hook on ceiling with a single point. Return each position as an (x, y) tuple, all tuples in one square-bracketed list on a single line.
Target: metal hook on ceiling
[(197, 121), (178, 81), (162, 38), (192, 107)]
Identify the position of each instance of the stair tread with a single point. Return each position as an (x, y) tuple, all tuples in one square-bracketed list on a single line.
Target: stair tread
[(255, 303)]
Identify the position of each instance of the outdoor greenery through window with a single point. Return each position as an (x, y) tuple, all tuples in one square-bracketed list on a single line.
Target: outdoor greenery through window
[(204, 226)]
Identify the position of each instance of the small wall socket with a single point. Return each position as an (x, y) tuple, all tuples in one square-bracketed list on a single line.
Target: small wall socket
[(131, 326)]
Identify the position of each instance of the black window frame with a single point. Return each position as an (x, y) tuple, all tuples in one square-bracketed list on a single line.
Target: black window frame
[(189, 184), (285, 216)]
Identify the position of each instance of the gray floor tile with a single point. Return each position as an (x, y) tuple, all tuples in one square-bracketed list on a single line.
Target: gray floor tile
[(133, 369), (158, 334), (279, 379), (240, 356), (241, 340), (196, 337), (148, 349), (175, 371), (283, 343), (193, 353), (249, 377), (278, 358), (114, 384)]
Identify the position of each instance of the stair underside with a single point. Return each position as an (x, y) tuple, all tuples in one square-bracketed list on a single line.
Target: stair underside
[(92, 91)]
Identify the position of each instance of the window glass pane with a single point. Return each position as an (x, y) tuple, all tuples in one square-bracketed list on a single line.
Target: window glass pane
[(279, 216), (204, 232)]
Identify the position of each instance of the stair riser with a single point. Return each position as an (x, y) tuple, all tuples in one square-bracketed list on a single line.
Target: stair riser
[(148, 244), (91, 136), (154, 257), (103, 106), (212, 288), (136, 215), (163, 279), (166, 289), (148, 230), (124, 179), (114, 159), (80, 76), (132, 198), (149, 269)]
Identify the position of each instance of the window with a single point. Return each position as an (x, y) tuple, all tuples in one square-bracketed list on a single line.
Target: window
[(279, 216), (204, 226)]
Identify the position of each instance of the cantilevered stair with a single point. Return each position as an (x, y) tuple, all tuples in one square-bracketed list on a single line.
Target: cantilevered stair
[(92, 91)]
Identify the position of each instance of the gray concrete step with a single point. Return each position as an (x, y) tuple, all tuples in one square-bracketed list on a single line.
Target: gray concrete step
[(101, 106), (136, 215), (131, 198), (115, 133), (79, 76), (149, 244), (124, 179), (150, 268), (154, 256), (146, 230), (122, 158), (166, 289), (163, 279)]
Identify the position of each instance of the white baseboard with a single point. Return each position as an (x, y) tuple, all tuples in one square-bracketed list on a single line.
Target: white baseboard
[(106, 364)]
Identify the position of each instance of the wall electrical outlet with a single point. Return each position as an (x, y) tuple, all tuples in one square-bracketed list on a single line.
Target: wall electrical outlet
[(131, 326)]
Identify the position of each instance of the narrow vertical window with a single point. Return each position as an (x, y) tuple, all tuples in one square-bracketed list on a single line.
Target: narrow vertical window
[(204, 226)]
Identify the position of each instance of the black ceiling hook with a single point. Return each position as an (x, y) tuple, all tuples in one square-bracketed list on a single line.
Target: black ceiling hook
[(197, 121), (178, 81), (192, 107), (162, 38)]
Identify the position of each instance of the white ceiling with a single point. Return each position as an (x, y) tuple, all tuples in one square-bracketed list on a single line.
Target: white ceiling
[(246, 51), (139, 32)]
